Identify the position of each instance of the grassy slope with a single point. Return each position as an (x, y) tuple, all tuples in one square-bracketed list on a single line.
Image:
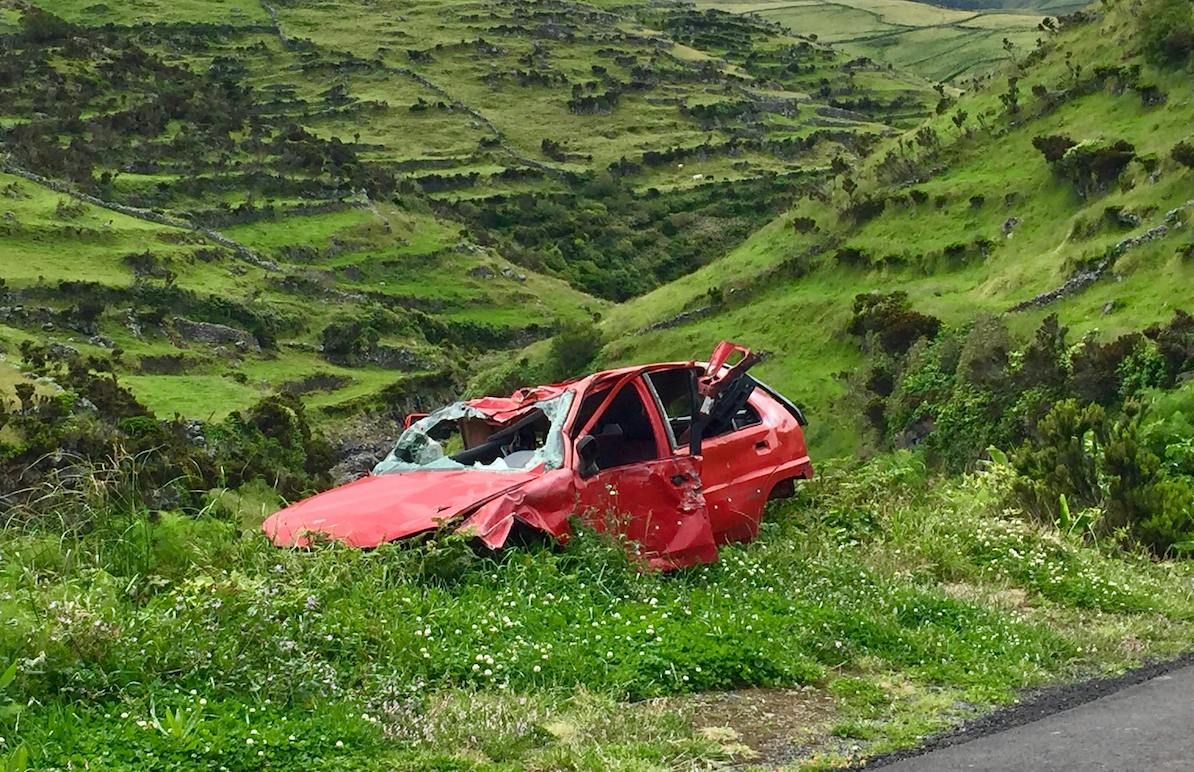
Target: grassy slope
[(407, 253), (411, 252), (940, 44), (802, 321), (902, 607)]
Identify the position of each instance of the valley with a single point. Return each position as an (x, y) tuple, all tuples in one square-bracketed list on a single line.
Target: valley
[(240, 240)]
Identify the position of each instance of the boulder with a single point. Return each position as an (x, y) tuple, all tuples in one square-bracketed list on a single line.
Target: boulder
[(215, 334)]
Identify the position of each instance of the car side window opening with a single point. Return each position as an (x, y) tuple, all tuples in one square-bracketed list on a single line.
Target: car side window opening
[(732, 413), (623, 432), (675, 390)]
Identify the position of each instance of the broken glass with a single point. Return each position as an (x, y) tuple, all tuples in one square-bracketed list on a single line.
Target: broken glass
[(461, 436)]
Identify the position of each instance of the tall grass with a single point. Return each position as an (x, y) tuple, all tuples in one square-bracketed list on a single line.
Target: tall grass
[(876, 573)]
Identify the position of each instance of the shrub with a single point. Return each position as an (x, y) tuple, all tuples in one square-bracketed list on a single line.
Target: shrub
[(865, 209), (853, 257), (926, 383), (963, 427), (1053, 147), (1175, 342), (38, 26), (1143, 368), (891, 320), (1183, 153), (1092, 166), (1079, 457), (1061, 458), (1043, 361), (804, 225), (573, 348), (983, 361), (1167, 27)]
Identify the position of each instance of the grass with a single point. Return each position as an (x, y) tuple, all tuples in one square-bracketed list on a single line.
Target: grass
[(940, 44), (904, 607), (209, 397)]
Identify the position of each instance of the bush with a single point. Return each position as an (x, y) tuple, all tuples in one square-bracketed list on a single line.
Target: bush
[(804, 225), (964, 427), (1175, 342), (1143, 368), (1094, 165), (1053, 147), (1167, 27), (865, 209), (983, 361), (890, 318), (1183, 153), (573, 348), (1079, 457), (38, 26), (1043, 363), (1094, 368)]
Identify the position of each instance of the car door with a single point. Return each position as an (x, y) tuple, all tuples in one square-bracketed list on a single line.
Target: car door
[(637, 486), (739, 460), (736, 447)]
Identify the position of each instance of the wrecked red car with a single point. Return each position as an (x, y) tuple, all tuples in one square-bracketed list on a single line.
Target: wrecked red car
[(678, 457)]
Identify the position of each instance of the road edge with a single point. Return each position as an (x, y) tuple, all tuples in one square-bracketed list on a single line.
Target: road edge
[(1034, 705)]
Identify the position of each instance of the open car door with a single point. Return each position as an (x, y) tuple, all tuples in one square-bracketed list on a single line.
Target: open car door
[(722, 391), (734, 446)]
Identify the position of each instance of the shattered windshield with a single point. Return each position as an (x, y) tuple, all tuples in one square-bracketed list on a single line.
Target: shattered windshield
[(460, 436)]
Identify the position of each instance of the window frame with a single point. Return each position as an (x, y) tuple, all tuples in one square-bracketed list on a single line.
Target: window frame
[(694, 401), (649, 401)]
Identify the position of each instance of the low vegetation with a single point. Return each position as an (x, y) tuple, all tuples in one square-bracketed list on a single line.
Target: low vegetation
[(160, 640)]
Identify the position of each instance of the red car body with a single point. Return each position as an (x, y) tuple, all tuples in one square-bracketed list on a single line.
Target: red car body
[(679, 457)]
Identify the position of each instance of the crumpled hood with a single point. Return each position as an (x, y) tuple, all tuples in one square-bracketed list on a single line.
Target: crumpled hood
[(377, 509)]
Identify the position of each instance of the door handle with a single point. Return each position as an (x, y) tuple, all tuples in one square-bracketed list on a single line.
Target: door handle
[(679, 479), (762, 445)]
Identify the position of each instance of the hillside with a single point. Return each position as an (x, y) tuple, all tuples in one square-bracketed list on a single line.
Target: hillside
[(942, 44), (966, 216), (356, 197)]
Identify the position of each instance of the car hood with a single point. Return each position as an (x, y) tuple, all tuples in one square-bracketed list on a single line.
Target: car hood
[(378, 509)]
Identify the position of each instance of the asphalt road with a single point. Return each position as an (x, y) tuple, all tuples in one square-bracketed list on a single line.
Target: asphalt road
[(1145, 726)]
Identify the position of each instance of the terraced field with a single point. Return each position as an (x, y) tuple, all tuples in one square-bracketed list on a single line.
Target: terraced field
[(940, 44), (967, 217), (358, 193)]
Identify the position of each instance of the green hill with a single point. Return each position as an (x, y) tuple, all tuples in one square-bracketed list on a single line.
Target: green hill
[(372, 195), (967, 217), (942, 44)]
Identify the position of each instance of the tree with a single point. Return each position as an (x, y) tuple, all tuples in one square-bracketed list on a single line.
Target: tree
[(1011, 97)]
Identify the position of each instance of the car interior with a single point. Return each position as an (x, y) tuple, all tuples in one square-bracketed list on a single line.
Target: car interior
[(623, 433), (486, 442), (731, 413)]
